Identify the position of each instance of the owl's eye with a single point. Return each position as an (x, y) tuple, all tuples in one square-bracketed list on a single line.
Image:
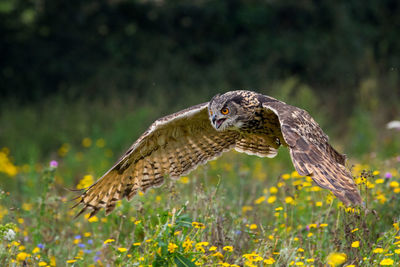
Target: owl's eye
[(211, 113), (225, 111)]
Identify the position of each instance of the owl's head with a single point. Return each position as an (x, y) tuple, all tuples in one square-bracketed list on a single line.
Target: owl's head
[(227, 112)]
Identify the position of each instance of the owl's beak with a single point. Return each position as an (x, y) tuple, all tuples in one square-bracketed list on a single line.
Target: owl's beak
[(213, 119)]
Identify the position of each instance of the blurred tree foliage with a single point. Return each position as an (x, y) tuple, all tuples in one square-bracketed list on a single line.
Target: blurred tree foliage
[(147, 48)]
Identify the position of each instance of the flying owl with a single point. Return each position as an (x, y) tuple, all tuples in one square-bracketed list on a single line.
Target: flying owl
[(242, 120)]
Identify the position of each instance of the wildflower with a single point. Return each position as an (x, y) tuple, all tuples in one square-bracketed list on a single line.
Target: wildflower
[(218, 255), (212, 248), (53, 164), (87, 234), (188, 244), (122, 249), (397, 251), (71, 261), (22, 256), (355, 244), (36, 250), (378, 250), (271, 199), (86, 142), (299, 263), (388, 175), (109, 241), (136, 244), (172, 247), (273, 190), (253, 226), (322, 225), (93, 219), (311, 260), (184, 180), (285, 176), (228, 248), (259, 200), (9, 235), (318, 204), (354, 230), (269, 261), (394, 184), (42, 263), (379, 181), (100, 142), (246, 208), (279, 209), (85, 182), (335, 258), (289, 200), (386, 261), (198, 225)]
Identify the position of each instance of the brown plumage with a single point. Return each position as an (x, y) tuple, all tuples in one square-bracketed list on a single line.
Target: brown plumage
[(246, 121)]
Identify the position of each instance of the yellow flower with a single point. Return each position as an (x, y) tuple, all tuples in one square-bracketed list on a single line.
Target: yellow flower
[(246, 208), (397, 251), (269, 261), (271, 199), (100, 142), (136, 244), (299, 263), (218, 255), (184, 180), (212, 248), (172, 247), (311, 260), (386, 261), (379, 181), (318, 204), (378, 250), (6, 165), (259, 200), (36, 250), (322, 225), (86, 142), (394, 184), (109, 241), (71, 261), (285, 176), (187, 244), (228, 248), (253, 226), (93, 219), (122, 249), (22, 256), (354, 230), (85, 182), (273, 190), (42, 263), (375, 173), (335, 258), (355, 244), (198, 225), (289, 200)]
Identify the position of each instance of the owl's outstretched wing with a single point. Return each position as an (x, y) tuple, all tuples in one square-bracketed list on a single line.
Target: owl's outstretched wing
[(172, 146), (312, 154)]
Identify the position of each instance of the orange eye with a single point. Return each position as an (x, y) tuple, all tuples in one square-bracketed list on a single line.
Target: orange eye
[(225, 111), (211, 113)]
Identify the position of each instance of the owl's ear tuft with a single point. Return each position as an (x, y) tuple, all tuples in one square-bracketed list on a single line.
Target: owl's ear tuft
[(212, 99), (238, 99)]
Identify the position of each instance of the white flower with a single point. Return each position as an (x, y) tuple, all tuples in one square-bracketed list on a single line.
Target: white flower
[(9, 235)]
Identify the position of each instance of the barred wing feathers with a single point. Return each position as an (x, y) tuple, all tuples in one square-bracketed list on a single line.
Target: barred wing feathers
[(172, 146), (312, 154)]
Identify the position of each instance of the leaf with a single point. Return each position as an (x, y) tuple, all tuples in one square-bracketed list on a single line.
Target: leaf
[(181, 261)]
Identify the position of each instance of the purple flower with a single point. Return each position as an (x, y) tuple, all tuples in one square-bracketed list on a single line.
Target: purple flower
[(53, 164), (87, 251), (78, 237), (388, 175), (81, 245), (40, 245), (308, 228), (90, 241)]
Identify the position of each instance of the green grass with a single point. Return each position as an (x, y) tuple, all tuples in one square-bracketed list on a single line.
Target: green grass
[(238, 210)]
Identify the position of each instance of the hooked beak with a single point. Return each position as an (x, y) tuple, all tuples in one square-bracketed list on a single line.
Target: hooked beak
[(217, 123)]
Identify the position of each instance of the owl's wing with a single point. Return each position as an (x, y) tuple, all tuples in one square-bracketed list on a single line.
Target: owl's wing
[(312, 154), (258, 145), (172, 146)]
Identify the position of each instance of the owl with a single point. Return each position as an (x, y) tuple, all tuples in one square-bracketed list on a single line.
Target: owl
[(246, 121)]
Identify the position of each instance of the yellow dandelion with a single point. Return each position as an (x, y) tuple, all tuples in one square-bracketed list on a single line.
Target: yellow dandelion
[(335, 259), (289, 200), (228, 248), (22, 256), (253, 226), (122, 249), (109, 241), (184, 180), (246, 208), (212, 248), (386, 261), (355, 244), (378, 250), (259, 200), (273, 190), (271, 199), (136, 244), (394, 184), (71, 261), (269, 261), (42, 263), (354, 230), (379, 181)]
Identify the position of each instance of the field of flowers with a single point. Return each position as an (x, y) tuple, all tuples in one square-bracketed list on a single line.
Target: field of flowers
[(238, 210)]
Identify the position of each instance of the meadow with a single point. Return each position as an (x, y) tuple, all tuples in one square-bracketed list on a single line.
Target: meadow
[(238, 210)]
